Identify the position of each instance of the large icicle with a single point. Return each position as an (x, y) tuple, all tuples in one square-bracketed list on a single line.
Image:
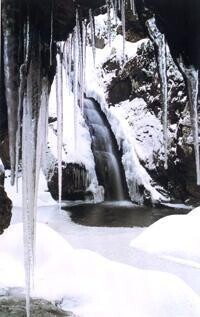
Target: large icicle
[(123, 10), (132, 4), (22, 86), (159, 39), (59, 102), (27, 188), (9, 23), (81, 76), (84, 46), (108, 4), (52, 33), (67, 56), (23, 69), (76, 77), (92, 30), (192, 76)]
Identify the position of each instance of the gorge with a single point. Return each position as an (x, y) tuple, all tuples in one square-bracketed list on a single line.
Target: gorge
[(133, 87)]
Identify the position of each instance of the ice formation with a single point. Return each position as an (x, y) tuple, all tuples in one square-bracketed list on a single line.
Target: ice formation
[(108, 4), (192, 77), (92, 30), (123, 25), (59, 104), (159, 39), (132, 4)]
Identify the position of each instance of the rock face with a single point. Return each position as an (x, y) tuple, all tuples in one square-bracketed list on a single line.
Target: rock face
[(74, 183), (15, 306), (5, 205), (141, 80)]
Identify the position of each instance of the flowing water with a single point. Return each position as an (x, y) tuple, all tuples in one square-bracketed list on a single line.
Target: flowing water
[(109, 168)]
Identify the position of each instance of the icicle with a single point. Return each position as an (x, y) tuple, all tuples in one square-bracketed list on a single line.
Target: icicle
[(52, 33), (115, 6), (0, 38), (92, 30), (132, 4), (159, 39), (123, 8), (108, 4), (19, 110), (67, 62), (23, 78), (26, 151), (75, 82), (59, 102), (119, 5), (83, 65), (192, 76)]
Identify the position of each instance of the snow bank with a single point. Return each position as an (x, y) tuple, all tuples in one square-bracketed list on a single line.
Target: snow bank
[(91, 285), (175, 237)]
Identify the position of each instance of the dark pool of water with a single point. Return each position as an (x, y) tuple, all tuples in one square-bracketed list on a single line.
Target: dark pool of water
[(118, 214)]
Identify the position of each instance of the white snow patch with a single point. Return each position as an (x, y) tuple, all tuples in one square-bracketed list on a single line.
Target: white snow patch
[(91, 285), (176, 236)]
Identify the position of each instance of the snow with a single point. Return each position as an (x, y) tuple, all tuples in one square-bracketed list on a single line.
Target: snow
[(92, 285), (95, 273), (176, 236)]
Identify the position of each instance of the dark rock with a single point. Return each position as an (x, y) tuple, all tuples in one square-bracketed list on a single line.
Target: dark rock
[(4, 151), (119, 90), (74, 182), (5, 209), (179, 20)]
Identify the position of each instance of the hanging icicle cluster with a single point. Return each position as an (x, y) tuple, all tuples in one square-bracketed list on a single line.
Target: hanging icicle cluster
[(74, 54), (159, 39), (59, 104)]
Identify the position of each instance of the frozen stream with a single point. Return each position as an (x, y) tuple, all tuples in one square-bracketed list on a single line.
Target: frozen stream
[(165, 282), (111, 242)]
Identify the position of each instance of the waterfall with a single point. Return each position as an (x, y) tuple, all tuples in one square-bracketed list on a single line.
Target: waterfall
[(107, 159)]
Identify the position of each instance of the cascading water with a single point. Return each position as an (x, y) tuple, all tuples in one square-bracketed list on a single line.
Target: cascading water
[(108, 165)]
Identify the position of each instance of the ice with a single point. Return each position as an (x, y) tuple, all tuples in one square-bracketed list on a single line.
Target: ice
[(159, 39), (76, 76), (81, 64), (52, 33), (192, 77), (84, 46), (34, 128), (19, 111), (123, 8), (132, 4), (92, 34), (108, 4), (59, 102)]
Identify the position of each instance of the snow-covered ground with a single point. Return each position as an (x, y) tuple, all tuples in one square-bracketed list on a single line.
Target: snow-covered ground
[(97, 273)]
